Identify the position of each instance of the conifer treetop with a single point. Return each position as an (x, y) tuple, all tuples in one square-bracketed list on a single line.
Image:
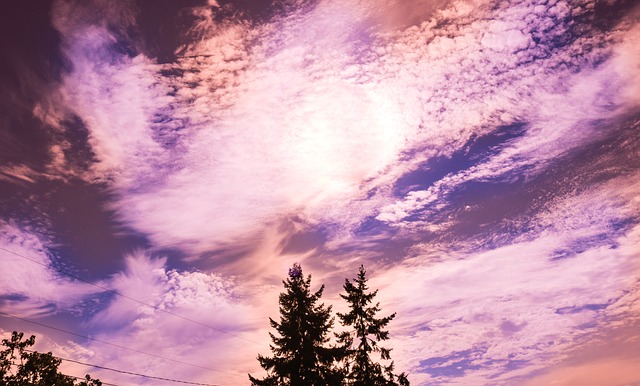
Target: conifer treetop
[(299, 346), (367, 331)]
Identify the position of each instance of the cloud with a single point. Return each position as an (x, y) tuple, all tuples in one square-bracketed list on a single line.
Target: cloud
[(285, 118), (18, 174), (515, 309), (489, 87), (609, 359), (116, 101), (246, 165), (615, 372), (203, 319), (506, 303), (31, 284), (625, 63), (190, 317)]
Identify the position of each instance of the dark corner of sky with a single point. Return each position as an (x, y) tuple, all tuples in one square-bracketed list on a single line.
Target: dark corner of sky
[(166, 24), (31, 63)]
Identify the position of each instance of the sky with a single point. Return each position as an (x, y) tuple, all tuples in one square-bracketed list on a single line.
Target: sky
[(163, 163)]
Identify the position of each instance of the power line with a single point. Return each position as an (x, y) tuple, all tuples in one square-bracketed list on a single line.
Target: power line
[(112, 344), (133, 299), (14, 366), (129, 372), (137, 374)]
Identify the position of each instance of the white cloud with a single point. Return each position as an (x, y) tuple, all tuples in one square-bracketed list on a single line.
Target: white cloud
[(30, 284), (504, 302), (184, 304), (117, 102), (290, 117), (526, 301)]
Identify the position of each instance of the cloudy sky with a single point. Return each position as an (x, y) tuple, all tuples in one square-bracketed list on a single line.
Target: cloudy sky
[(162, 164)]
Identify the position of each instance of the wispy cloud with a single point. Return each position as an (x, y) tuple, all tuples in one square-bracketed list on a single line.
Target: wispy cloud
[(510, 89), (607, 359), (31, 284), (217, 312), (18, 174), (519, 306), (261, 119)]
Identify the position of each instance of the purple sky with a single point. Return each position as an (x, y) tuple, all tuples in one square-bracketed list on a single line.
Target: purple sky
[(480, 158)]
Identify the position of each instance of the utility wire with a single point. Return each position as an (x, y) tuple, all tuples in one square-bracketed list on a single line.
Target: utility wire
[(111, 344), (13, 365), (133, 299), (129, 372)]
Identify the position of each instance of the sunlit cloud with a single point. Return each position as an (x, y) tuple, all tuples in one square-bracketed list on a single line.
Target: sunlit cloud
[(262, 119), (216, 311)]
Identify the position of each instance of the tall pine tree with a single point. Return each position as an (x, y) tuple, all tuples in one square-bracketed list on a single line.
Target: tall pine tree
[(301, 356), (367, 331)]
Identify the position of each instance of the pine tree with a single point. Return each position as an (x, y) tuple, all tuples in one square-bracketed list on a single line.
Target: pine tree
[(301, 356), (367, 331)]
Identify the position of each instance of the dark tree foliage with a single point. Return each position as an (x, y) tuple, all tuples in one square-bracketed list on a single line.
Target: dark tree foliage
[(300, 352), (367, 331), (20, 366)]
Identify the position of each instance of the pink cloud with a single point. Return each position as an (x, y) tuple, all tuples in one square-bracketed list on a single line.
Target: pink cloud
[(282, 119), (469, 295), (31, 277), (201, 300)]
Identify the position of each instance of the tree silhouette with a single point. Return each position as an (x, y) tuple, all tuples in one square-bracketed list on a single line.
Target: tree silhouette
[(301, 356), (367, 331), (20, 366)]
